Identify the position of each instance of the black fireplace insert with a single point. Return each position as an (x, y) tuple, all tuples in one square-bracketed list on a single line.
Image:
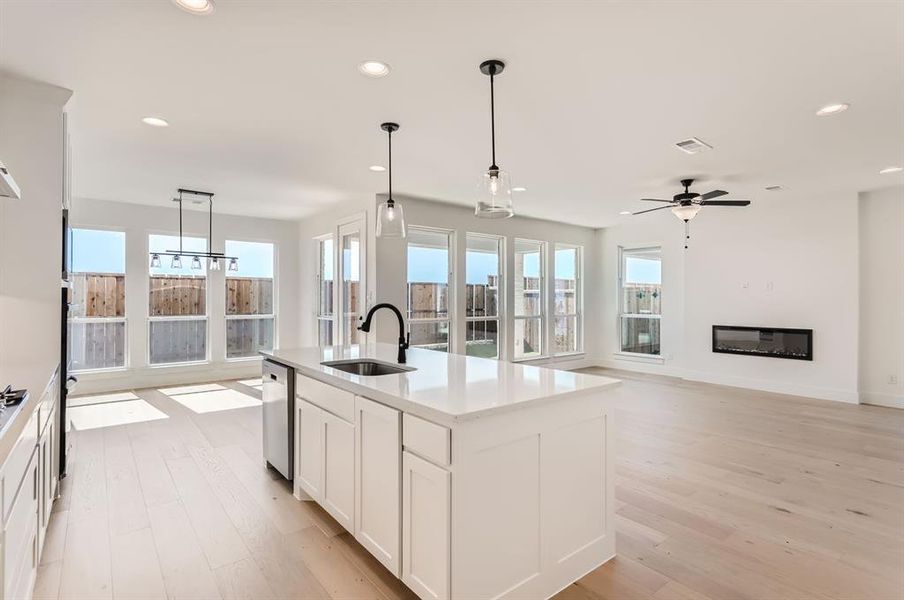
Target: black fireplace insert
[(776, 342)]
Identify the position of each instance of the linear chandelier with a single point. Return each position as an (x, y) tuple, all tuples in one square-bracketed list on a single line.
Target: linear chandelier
[(214, 258)]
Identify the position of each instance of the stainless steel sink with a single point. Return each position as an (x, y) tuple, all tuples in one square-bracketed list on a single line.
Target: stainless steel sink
[(366, 368)]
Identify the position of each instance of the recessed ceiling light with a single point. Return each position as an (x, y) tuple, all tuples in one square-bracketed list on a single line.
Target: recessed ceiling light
[(377, 168), (888, 170), (155, 122), (374, 68), (195, 7), (625, 212), (832, 109), (519, 189)]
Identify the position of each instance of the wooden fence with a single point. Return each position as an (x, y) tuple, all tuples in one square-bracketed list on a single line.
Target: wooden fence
[(98, 295), (249, 296)]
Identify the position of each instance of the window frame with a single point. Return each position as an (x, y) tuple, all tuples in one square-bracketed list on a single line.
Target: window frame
[(150, 319), (450, 285), (318, 276), (274, 303), (88, 320), (578, 315), (623, 252), (501, 287), (353, 225), (542, 293)]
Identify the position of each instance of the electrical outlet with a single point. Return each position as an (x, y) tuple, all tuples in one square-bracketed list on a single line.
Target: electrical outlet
[(745, 285), (893, 379), (769, 286)]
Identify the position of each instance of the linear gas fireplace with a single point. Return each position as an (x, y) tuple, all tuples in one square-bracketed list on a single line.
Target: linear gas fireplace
[(796, 344)]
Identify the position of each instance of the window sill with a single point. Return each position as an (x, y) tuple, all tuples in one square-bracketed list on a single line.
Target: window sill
[(655, 359), (240, 359), (528, 359)]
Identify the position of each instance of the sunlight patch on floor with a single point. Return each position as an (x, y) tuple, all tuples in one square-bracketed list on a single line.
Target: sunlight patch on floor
[(191, 389), (100, 399), (112, 413), (216, 400), (255, 383)]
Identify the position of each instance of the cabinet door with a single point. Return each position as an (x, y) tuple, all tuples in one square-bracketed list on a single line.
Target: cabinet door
[(377, 474), (426, 522), (339, 470), (309, 449)]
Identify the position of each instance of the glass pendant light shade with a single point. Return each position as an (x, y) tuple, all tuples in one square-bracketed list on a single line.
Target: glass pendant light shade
[(391, 220), (155, 261), (176, 263), (233, 264), (214, 264), (196, 263), (494, 195), (686, 212)]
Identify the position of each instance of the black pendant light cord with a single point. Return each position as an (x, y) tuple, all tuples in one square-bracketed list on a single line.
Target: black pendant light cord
[(493, 167), (390, 166), (180, 221)]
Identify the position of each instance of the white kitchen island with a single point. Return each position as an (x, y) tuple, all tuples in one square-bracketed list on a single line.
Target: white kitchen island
[(466, 477)]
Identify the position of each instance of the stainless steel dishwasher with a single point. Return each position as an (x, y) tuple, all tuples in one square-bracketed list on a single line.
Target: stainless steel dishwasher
[(279, 417)]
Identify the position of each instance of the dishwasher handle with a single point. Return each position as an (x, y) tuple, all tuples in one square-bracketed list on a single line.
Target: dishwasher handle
[(275, 372)]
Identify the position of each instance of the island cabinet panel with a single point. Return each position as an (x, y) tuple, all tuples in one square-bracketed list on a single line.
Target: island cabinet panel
[(427, 440), (339, 470), (309, 450), (426, 528), (20, 538), (329, 398), (377, 479)]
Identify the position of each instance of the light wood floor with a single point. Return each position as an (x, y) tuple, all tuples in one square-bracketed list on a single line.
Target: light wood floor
[(721, 494)]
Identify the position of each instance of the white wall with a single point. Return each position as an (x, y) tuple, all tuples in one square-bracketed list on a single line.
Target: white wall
[(31, 145), (784, 261), (138, 221), (391, 286), (882, 297)]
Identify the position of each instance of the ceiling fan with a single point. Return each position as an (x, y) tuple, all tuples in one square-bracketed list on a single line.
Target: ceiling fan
[(687, 204)]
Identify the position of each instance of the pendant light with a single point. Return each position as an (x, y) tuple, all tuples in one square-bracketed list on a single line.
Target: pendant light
[(494, 192), (196, 264), (390, 216)]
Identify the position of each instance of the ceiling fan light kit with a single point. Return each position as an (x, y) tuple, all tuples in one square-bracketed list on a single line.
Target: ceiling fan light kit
[(494, 189)]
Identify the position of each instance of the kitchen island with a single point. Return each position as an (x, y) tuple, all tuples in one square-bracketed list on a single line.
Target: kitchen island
[(466, 477)]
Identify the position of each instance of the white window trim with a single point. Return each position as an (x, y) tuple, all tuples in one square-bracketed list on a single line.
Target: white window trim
[(619, 353), (544, 295), (274, 303), (500, 293), (318, 309), (356, 224), (578, 300), (450, 275)]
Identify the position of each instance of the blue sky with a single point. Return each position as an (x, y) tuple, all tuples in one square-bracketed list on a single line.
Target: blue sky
[(641, 270), (97, 251)]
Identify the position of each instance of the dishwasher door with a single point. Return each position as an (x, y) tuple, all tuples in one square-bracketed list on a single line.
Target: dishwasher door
[(279, 417)]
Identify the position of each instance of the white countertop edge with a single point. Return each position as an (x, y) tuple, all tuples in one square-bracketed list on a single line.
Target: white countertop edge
[(341, 380)]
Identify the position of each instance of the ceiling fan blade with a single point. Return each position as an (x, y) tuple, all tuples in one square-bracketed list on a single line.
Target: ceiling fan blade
[(713, 194), (650, 210), (655, 200), (725, 203)]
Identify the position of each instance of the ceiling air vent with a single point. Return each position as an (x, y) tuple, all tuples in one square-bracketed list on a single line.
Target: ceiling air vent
[(693, 146)]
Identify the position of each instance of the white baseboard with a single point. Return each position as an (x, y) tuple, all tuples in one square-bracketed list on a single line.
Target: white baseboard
[(131, 379), (882, 399), (777, 387)]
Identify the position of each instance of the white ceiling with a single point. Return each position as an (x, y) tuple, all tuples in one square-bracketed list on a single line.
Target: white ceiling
[(268, 110)]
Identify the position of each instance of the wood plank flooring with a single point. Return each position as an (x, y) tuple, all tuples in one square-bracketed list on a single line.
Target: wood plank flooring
[(721, 493)]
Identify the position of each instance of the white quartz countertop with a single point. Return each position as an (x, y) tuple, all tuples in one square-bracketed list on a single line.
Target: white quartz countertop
[(448, 387)]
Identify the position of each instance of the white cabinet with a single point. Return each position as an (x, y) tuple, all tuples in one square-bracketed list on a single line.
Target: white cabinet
[(20, 546), (426, 525), (325, 461), (309, 449), (47, 478), (377, 485), (339, 470)]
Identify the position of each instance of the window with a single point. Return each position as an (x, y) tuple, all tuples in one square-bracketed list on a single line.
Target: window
[(325, 281), (640, 280), (429, 299), (97, 316), (482, 280), (350, 301), (177, 304), (528, 308), (250, 314), (567, 276)]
